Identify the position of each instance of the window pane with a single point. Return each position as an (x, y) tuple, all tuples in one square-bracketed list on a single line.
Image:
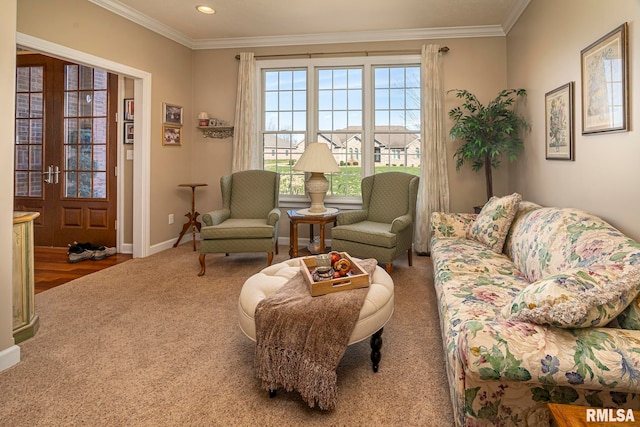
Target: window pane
[(99, 79), (22, 105), (35, 131), (100, 157), (37, 105), (325, 100), (22, 131), (71, 104), (300, 80), (286, 80), (85, 162), (85, 77), (286, 100), (271, 101), (22, 79), (71, 184), (71, 155), (100, 103), (99, 131), (300, 100), (71, 82), (22, 184), (35, 184), (271, 80), (99, 185), (84, 184)]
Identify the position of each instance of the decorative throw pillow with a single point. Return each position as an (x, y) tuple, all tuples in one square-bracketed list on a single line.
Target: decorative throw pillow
[(577, 298), (630, 316), (494, 220)]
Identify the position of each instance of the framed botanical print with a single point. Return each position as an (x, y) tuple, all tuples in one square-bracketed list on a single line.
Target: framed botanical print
[(605, 89), (558, 114)]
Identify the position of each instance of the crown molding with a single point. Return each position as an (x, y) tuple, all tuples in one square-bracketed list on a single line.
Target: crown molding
[(514, 14), (141, 19), (133, 15), (353, 37)]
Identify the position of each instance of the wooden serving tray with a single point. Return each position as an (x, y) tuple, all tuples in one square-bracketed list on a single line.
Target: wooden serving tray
[(359, 278)]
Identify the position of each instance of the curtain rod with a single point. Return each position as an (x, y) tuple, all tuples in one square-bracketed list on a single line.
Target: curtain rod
[(443, 49)]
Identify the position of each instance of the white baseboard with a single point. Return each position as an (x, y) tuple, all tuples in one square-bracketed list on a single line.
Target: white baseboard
[(9, 357), (159, 247)]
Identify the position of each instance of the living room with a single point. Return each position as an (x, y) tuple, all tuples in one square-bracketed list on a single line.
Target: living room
[(540, 52)]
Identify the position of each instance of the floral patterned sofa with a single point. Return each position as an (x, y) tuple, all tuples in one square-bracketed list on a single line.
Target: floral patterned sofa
[(538, 318)]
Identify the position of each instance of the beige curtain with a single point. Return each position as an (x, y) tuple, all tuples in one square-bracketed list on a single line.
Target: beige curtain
[(244, 133), (433, 192)]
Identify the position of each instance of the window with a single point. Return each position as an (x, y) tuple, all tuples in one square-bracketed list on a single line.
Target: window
[(366, 109)]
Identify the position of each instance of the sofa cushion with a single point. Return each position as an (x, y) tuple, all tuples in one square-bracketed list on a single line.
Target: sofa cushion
[(366, 232), (630, 316), (549, 241), (236, 228), (492, 223), (577, 298)]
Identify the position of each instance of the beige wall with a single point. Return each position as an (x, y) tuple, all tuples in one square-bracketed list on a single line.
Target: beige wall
[(544, 53), (7, 114), (85, 27), (474, 64)]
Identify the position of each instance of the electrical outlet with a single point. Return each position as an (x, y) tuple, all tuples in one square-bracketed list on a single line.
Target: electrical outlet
[(170, 218)]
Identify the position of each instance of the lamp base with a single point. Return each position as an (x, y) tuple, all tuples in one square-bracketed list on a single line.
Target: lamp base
[(317, 186)]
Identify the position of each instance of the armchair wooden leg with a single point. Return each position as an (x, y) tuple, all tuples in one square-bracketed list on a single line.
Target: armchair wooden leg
[(410, 256), (388, 267), (270, 258), (203, 266), (276, 248)]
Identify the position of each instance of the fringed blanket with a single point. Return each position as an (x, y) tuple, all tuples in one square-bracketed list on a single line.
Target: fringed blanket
[(301, 339)]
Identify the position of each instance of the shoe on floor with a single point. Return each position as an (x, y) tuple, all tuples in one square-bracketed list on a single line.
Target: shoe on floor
[(77, 254), (88, 246), (102, 252)]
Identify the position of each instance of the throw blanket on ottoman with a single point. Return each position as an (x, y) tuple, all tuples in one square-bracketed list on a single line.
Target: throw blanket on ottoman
[(301, 339)]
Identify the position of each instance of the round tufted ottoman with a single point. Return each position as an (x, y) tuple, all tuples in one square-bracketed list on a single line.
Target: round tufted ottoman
[(375, 313)]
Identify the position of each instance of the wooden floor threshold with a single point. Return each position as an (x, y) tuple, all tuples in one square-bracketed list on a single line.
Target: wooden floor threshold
[(52, 267)]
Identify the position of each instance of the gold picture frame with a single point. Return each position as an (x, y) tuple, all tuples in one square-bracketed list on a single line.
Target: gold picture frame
[(172, 114), (605, 89), (171, 135), (558, 120)]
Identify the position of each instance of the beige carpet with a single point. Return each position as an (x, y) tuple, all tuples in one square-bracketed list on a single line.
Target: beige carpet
[(148, 343)]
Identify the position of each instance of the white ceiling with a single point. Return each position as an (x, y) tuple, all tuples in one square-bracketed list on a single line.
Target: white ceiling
[(241, 23)]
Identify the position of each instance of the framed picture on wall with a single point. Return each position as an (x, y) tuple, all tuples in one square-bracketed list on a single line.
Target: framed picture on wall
[(605, 90), (558, 118), (128, 133), (128, 109), (171, 114), (171, 135)]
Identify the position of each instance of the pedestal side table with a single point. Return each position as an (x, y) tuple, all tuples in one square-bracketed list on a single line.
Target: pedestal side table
[(192, 217)]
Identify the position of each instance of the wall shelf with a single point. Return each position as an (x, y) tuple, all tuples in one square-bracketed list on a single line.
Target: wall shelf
[(216, 131)]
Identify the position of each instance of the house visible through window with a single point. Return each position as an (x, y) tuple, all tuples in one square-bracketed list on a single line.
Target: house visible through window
[(366, 109)]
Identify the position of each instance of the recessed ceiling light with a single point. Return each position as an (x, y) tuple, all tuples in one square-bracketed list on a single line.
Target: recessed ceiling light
[(206, 9)]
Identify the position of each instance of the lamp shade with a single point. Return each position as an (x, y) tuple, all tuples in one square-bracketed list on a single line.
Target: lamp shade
[(317, 158)]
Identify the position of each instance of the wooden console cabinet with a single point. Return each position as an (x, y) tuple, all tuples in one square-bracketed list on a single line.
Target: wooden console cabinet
[(25, 320)]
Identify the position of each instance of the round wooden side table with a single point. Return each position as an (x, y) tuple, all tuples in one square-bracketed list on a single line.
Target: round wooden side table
[(192, 221)]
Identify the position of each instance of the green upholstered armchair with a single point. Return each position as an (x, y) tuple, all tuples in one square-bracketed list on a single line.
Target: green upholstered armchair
[(248, 221), (383, 228)]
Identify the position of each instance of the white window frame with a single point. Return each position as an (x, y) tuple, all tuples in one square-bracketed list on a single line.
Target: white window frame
[(310, 64)]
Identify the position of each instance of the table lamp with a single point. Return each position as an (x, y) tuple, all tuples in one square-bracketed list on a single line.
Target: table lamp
[(317, 159)]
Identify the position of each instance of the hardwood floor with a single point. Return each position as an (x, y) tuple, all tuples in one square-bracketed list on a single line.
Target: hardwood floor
[(52, 268)]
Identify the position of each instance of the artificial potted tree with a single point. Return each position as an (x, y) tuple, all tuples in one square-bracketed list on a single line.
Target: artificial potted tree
[(489, 131)]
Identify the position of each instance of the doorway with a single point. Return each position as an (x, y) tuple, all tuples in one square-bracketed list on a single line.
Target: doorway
[(66, 150)]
